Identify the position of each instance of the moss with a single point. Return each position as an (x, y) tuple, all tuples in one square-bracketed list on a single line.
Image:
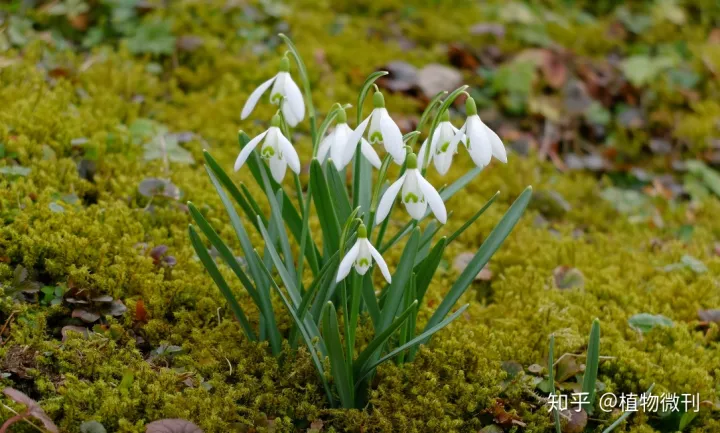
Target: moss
[(99, 244)]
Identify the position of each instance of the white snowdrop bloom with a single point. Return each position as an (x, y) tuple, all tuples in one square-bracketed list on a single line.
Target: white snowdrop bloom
[(482, 142), (416, 195), (382, 130), (284, 91), (361, 255), (340, 149), (443, 147), (276, 150)]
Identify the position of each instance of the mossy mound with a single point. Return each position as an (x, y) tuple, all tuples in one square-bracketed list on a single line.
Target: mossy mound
[(77, 144)]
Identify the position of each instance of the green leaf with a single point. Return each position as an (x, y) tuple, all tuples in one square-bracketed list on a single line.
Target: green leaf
[(324, 207), (473, 218), (641, 69), (342, 377), (325, 272), (380, 339), (645, 322), (287, 279), (420, 339), (591, 366), (401, 277), (212, 269), (482, 257), (425, 270), (339, 192)]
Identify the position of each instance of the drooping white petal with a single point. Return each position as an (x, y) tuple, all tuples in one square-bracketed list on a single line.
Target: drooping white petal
[(369, 154), (412, 196), (444, 147), (433, 199), (278, 167), (249, 147), (423, 151), (339, 145), (255, 97), (325, 145), (295, 103), (388, 198), (363, 259), (392, 137), (380, 262), (355, 136), (288, 153), (478, 145), (496, 144), (347, 262)]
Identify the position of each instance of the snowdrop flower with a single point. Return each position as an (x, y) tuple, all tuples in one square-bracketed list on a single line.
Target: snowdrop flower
[(417, 194), (443, 147), (276, 151), (382, 130), (482, 142), (361, 255), (340, 149), (284, 91)]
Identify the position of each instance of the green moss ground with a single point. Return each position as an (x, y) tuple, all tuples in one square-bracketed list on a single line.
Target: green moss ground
[(221, 381)]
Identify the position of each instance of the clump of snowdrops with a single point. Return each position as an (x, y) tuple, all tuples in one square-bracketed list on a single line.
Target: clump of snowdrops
[(354, 221)]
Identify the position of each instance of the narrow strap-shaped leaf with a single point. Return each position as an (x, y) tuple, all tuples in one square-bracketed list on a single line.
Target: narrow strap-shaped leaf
[(307, 335), (371, 303), (324, 207), (325, 272), (408, 331), (225, 180), (420, 339), (342, 377), (399, 280), (425, 270), (253, 204), (223, 250), (472, 219), (339, 193), (254, 266), (285, 276), (480, 259), (426, 238), (379, 341), (214, 272), (591, 366)]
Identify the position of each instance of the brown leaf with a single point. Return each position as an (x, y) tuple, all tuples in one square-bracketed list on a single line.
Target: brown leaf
[(402, 77), (33, 408), (316, 426), (141, 314), (574, 421), (460, 57), (85, 315), (172, 426), (189, 43)]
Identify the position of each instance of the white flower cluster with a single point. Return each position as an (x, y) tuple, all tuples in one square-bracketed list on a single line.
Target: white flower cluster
[(340, 144)]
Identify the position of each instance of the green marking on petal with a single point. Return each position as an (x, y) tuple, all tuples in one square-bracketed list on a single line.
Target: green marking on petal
[(267, 152), (376, 137), (410, 197), (275, 98), (363, 262), (444, 147)]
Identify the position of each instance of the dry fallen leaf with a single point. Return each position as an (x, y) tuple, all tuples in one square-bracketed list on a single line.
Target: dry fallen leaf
[(172, 426), (435, 78), (33, 408)]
